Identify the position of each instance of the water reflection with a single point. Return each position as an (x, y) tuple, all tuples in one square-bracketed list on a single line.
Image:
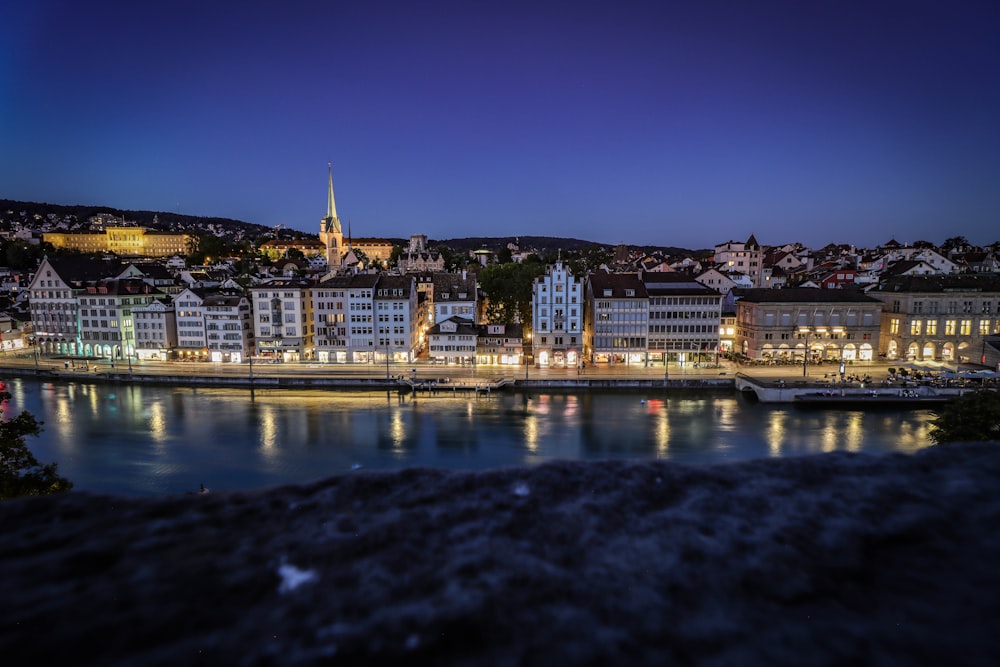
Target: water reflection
[(141, 440)]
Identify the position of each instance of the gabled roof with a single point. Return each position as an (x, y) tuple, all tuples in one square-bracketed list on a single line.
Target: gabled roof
[(463, 326), (79, 270), (453, 284)]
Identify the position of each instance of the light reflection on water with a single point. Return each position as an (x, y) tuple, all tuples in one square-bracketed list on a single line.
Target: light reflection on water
[(151, 440)]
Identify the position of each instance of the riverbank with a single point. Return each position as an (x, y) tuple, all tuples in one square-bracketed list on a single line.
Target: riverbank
[(767, 384), (305, 377)]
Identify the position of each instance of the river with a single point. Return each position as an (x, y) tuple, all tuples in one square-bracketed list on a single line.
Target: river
[(151, 440)]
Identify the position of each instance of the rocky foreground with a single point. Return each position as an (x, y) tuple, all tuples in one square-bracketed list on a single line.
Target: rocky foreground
[(825, 560)]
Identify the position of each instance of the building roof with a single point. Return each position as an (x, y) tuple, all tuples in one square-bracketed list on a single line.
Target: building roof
[(941, 282), (448, 286), (673, 284), (386, 282), (619, 285), (350, 281), (802, 295), (79, 270)]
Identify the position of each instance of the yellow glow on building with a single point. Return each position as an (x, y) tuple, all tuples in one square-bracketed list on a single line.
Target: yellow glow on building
[(124, 241)]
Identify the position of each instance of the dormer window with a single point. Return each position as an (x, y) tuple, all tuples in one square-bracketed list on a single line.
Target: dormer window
[(463, 295), (445, 295), (629, 292), (607, 292)]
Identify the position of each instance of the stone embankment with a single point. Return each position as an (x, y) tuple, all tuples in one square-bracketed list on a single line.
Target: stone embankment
[(328, 380)]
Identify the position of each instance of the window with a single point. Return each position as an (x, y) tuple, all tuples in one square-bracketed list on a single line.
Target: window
[(894, 327), (930, 327), (966, 328), (915, 327), (949, 327)]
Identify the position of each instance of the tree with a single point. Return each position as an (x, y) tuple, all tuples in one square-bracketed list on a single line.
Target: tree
[(972, 417), (954, 243), (21, 474), (19, 254), (507, 290), (394, 255)]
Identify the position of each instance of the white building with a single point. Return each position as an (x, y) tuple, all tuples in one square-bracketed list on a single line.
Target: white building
[(53, 304), (455, 295), (557, 317), (192, 343), (736, 257), (453, 341), (155, 330), (107, 321), (228, 327), (684, 319), (396, 318)]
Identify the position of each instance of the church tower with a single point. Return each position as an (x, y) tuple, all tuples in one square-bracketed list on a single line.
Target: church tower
[(330, 232)]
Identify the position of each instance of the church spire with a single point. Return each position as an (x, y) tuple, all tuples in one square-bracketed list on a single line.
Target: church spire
[(331, 223)]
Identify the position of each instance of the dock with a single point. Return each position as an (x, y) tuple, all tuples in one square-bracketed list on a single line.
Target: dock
[(844, 395)]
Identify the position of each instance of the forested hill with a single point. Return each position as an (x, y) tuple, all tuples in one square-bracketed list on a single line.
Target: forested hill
[(26, 212), (544, 244), (12, 210)]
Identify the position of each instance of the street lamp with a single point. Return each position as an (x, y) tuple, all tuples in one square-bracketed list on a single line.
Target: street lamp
[(524, 351), (805, 354)]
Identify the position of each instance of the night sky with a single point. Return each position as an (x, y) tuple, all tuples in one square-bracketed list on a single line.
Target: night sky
[(684, 123)]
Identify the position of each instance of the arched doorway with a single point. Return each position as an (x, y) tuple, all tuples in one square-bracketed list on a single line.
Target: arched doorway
[(928, 351)]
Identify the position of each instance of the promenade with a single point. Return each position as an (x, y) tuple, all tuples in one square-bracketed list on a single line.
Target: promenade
[(422, 373)]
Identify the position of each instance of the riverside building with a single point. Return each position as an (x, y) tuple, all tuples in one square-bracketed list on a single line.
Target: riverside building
[(945, 318), (557, 318), (806, 324)]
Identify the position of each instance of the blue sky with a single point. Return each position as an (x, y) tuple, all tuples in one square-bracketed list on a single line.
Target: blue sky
[(684, 123)]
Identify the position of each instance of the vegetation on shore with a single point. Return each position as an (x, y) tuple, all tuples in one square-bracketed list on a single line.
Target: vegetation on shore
[(973, 417), (21, 474)]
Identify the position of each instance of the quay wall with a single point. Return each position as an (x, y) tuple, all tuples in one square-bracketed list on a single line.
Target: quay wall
[(567, 385)]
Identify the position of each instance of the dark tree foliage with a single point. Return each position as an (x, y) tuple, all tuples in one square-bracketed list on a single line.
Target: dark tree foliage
[(972, 417), (208, 247), (19, 254), (394, 255), (507, 291), (21, 474)]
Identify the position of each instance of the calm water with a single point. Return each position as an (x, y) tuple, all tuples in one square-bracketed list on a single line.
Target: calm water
[(156, 440)]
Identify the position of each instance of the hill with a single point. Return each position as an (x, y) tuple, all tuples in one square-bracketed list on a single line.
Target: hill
[(29, 212), (543, 244)]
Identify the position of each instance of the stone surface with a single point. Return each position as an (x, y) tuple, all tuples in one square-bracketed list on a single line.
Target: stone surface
[(823, 560)]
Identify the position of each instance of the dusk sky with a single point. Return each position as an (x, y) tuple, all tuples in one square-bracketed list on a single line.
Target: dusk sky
[(685, 123)]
